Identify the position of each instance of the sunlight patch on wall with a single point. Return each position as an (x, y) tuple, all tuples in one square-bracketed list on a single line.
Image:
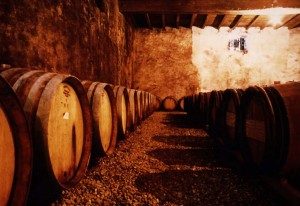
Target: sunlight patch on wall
[(264, 62)]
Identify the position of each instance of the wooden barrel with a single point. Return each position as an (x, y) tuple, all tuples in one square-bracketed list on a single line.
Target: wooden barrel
[(188, 104), (15, 149), (133, 99), (139, 106), (145, 105), (205, 107), (123, 111), (196, 106), (58, 112), (169, 103), (151, 103), (104, 112), (157, 103), (213, 113), (230, 118), (181, 104), (285, 100), (257, 129)]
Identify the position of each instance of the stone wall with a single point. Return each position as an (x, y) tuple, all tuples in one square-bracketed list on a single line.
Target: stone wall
[(163, 63), (179, 62), (293, 61), (88, 38), (273, 55)]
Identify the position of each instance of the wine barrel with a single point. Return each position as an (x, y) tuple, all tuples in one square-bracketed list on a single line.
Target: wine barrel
[(257, 129), (123, 111), (181, 104), (151, 103), (230, 118), (133, 99), (139, 106), (196, 110), (15, 149), (104, 111), (148, 104), (205, 107), (145, 105), (58, 112), (169, 103), (285, 100), (213, 113), (157, 103), (188, 104)]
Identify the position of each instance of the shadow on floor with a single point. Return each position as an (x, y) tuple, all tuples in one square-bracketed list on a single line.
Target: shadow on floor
[(184, 140), (181, 120), (205, 187), (190, 157)]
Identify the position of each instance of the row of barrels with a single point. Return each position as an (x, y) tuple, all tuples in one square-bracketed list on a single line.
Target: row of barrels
[(51, 125), (260, 126), (170, 103)]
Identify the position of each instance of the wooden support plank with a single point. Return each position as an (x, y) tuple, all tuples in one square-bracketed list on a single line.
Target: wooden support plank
[(285, 19), (218, 20), (210, 18), (163, 20), (196, 6), (261, 21), (235, 21), (294, 22), (245, 20), (148, 20), (252, 21), (227, 20), (194, 16), (177, 20)]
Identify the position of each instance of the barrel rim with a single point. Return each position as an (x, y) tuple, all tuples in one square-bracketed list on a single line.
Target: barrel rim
[(87, 141), (260, 94), (113, 139), (22, 139), (230, 94)]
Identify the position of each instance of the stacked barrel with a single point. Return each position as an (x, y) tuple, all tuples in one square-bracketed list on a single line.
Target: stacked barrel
[(259, 126), (51, 125)]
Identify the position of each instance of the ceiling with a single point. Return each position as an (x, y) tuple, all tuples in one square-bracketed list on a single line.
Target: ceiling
[(215, 13)]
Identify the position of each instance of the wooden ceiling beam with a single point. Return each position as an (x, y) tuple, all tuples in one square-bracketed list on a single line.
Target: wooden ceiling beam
[(194, 16), (244, 21), (196, 6), (252, 21), (261, 21), (227, 20), (294, 22), (209, 20), (235, 22), (285, 19), (218, 21)]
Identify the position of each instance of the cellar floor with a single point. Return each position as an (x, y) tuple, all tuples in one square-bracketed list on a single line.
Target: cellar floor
[(167, 161)]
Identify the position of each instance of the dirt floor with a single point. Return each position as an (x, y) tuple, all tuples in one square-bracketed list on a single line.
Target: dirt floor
[(167, 161)]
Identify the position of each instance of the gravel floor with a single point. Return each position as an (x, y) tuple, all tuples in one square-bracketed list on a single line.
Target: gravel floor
[(166, 161)]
